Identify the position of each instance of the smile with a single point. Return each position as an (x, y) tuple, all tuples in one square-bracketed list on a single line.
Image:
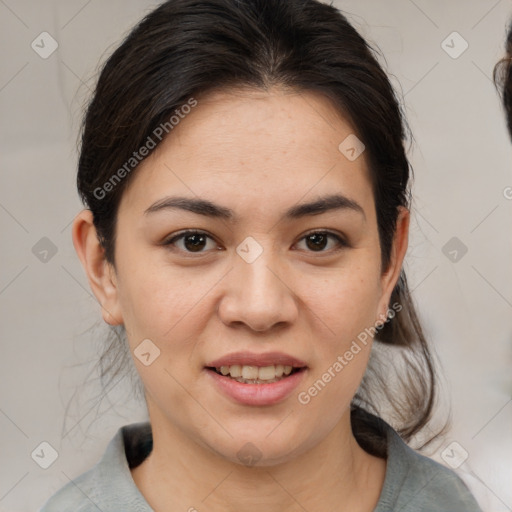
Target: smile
[(248, 378), (249, 374)]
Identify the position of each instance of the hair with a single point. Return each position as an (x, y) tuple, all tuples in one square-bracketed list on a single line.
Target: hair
[(503, 79), (185, 49)]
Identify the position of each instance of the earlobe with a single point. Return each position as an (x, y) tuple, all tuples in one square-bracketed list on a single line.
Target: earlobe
[(398, 250), (100, 274)]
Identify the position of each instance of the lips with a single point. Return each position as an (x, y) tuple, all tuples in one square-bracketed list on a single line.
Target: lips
[(260, 360), (256, 379)]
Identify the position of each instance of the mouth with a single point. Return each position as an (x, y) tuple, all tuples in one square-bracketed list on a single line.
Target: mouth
[(252, 374), (253, 379)]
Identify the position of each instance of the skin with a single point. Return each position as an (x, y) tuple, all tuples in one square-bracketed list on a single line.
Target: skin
[(258, 153)]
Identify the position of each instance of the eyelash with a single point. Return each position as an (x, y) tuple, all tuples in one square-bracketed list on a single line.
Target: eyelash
[(341, 242)]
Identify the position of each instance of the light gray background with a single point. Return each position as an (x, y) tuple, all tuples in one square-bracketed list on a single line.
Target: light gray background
[(462, 160)]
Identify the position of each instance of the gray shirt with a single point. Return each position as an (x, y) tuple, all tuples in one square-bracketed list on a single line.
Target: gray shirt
[(413, 482)]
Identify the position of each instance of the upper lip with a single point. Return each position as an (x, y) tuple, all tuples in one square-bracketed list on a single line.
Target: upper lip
[(253, 359)]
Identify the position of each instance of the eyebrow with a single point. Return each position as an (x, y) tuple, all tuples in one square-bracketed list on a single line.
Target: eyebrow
[(207, 208)]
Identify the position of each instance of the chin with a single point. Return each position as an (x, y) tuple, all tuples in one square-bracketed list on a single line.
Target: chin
[(261, 450)]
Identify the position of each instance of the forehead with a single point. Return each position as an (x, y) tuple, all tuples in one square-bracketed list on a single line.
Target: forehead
[(241, 143)]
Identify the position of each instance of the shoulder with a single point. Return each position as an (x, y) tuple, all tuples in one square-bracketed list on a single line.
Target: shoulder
[(413, 482), (429, 486), (78, 494), (108, 485), (416, 483)]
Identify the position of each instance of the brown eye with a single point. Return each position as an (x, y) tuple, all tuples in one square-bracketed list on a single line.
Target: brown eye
[(192, 241), (317, 241)]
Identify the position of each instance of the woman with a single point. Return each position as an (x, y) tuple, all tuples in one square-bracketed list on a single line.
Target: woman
[(244, 170)]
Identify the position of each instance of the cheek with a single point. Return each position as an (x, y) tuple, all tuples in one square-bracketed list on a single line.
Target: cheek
[(157, 299), (346, 301)]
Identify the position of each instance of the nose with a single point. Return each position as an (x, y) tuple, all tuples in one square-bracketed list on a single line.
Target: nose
[(258, 294)]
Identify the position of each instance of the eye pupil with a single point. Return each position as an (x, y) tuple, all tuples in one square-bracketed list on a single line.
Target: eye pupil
[(319, 240), (198, 242)]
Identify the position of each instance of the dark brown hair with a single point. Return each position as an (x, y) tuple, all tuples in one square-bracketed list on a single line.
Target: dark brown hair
[(187, 48), (503, 79)]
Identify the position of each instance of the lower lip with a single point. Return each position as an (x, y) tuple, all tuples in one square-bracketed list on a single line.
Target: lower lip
[(257, 394)]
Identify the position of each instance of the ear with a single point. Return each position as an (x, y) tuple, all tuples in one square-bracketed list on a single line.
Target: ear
[(390, 276), (100, 273)]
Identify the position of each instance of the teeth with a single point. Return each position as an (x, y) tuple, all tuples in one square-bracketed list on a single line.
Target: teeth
[(235, 370), (255, 373), (250, 372), (267, 373)]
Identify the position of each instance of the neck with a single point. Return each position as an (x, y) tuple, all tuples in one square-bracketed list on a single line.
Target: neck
[(336, 474)]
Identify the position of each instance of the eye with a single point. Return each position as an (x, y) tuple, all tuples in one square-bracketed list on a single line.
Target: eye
[(318, 240), (193, 241)]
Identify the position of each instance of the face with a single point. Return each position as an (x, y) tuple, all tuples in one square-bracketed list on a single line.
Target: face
[(263, 281)]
